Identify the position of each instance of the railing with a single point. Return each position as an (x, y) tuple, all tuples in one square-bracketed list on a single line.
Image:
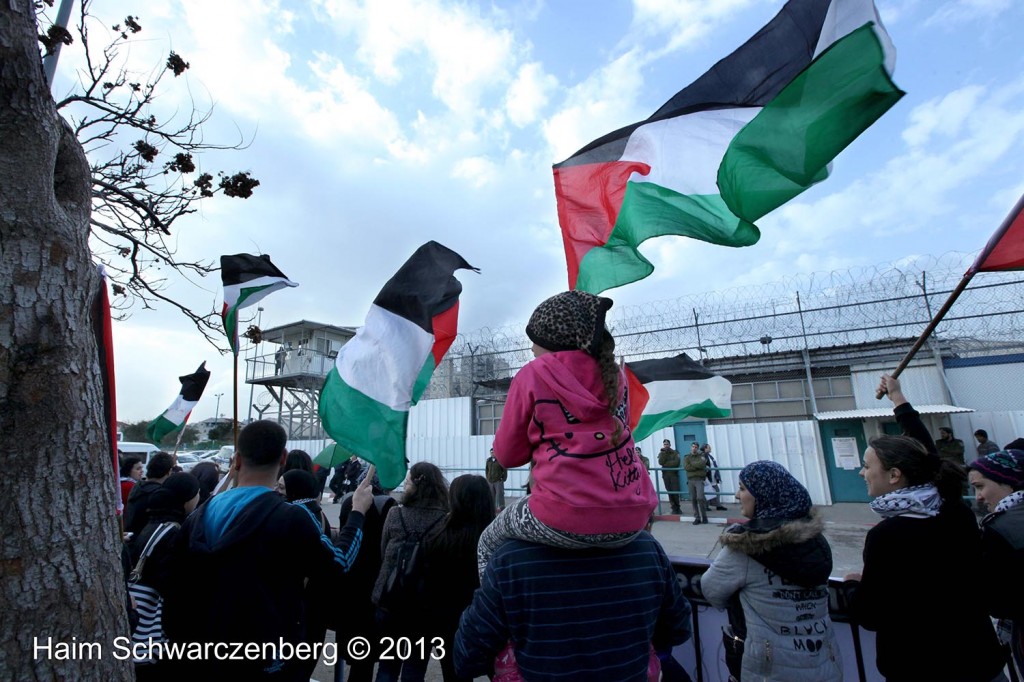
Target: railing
[(704, 654), (295, 363)]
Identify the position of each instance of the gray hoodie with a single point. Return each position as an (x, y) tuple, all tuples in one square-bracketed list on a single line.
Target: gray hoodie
[(780, 569)]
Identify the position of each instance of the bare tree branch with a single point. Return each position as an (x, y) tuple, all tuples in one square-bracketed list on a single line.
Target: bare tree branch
[(144, 170)]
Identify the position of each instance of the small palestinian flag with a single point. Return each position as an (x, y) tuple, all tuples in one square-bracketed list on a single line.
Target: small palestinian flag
[(1005, 250), (756, 130), (175, 416), (247, 280), (665, 391), (387, 365)]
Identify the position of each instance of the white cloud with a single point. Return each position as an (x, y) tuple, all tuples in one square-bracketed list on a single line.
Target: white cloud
[(468, 54), (477, 171), (529, 93), (604, 102), (684, 22), (963, 11), (943, 116)]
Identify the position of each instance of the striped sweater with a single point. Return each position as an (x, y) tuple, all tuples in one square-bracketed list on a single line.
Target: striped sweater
[(574, 614)]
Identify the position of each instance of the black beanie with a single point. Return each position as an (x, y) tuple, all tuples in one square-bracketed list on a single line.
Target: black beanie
[(174, 492)]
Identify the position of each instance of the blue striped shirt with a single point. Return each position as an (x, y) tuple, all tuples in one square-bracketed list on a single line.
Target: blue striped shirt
[(574, 614)]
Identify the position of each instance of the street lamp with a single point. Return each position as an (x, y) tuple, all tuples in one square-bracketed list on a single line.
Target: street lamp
[(218, 405)]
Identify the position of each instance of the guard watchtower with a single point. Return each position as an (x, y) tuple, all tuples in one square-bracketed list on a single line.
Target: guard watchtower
[(300, 356)]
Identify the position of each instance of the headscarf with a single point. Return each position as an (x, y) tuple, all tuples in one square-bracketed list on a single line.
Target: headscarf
[(571, 320), (1005, 466), (777, 494), (300, 486)]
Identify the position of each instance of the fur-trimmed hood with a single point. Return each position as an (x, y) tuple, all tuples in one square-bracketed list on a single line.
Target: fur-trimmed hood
[(796, 550)]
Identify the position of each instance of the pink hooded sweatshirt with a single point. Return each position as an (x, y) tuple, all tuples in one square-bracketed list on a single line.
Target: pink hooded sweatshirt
[(557, 415)]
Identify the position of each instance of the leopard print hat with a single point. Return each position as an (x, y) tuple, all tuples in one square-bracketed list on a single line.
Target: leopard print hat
[(571, 320)]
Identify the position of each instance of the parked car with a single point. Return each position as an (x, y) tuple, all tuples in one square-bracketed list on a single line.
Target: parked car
[(224, 455), (187, 460), (143, 450)]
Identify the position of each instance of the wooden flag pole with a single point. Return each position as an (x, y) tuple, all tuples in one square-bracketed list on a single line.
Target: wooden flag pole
[(978, 266), (181, 434), (930, 328), (234, 385)]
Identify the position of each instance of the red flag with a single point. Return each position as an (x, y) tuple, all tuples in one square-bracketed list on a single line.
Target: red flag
[(1005, 250), (105, 347)]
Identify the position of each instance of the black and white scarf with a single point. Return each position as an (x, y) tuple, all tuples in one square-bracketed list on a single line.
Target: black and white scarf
[(1010, 501), (917, 500)]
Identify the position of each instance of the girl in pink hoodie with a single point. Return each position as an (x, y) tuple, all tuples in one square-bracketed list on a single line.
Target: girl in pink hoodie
[(567, 415)]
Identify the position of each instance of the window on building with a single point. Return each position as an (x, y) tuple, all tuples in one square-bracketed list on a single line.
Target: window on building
[(488, 416)]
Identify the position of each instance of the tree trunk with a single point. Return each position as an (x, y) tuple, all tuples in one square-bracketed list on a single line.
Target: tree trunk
[(61, 580)]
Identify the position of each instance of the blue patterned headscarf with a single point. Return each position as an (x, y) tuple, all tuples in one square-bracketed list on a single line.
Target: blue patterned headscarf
[(777, 495)]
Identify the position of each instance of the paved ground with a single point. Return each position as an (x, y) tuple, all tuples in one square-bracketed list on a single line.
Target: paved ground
[(845, 527)]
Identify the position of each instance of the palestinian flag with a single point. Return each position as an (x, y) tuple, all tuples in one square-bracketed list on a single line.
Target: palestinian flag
[(247, 280), (175, 416), (385, 368), (1005, 250), (756, 130), (665, 391)]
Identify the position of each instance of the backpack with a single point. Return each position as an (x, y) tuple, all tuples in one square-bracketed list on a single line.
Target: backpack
[(148, 602), (404, 588)]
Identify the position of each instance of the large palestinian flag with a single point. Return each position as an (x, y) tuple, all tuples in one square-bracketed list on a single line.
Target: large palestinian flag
[(247, 279), (665, 391), (175, 416), (387, 365), (753, 132)]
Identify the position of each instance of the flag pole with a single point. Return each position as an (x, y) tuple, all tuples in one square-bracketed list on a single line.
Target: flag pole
[(235, 391), (955, 294), (975, 268), (181, 434)]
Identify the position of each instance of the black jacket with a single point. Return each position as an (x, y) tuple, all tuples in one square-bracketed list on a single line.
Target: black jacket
[(925, 632), (246, 583), (1002, 563), (136, 509)]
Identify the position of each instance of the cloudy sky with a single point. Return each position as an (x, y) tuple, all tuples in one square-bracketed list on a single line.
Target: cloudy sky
[(374, 127)]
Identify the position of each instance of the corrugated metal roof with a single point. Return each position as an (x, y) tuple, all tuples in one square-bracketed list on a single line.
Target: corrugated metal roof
[(879, 412)]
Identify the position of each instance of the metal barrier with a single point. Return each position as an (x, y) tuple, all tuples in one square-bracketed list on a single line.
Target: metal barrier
[(703, 655), (857, 646)]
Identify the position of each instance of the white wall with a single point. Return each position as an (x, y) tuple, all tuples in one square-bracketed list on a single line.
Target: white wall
[(989, 388), (440, 431), (921, 383), (796, 445)]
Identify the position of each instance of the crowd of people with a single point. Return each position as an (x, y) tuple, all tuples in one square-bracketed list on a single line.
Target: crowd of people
[(567, 582)]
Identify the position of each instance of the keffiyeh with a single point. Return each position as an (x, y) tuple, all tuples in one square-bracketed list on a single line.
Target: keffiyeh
[(922, 500)]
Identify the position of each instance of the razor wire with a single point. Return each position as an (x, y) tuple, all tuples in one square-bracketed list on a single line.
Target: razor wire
[(862, 305)]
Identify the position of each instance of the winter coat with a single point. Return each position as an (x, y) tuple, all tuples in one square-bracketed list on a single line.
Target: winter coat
[(780, 570), (1002, 561), (264, 548), (556, 416), (495, 472), (696, 466), (136, 510), (923, 633), (418, 521)]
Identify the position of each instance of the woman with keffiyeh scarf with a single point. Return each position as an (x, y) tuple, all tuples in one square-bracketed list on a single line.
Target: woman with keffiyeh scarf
[(926, 544), (776, 567), (998, 481)]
